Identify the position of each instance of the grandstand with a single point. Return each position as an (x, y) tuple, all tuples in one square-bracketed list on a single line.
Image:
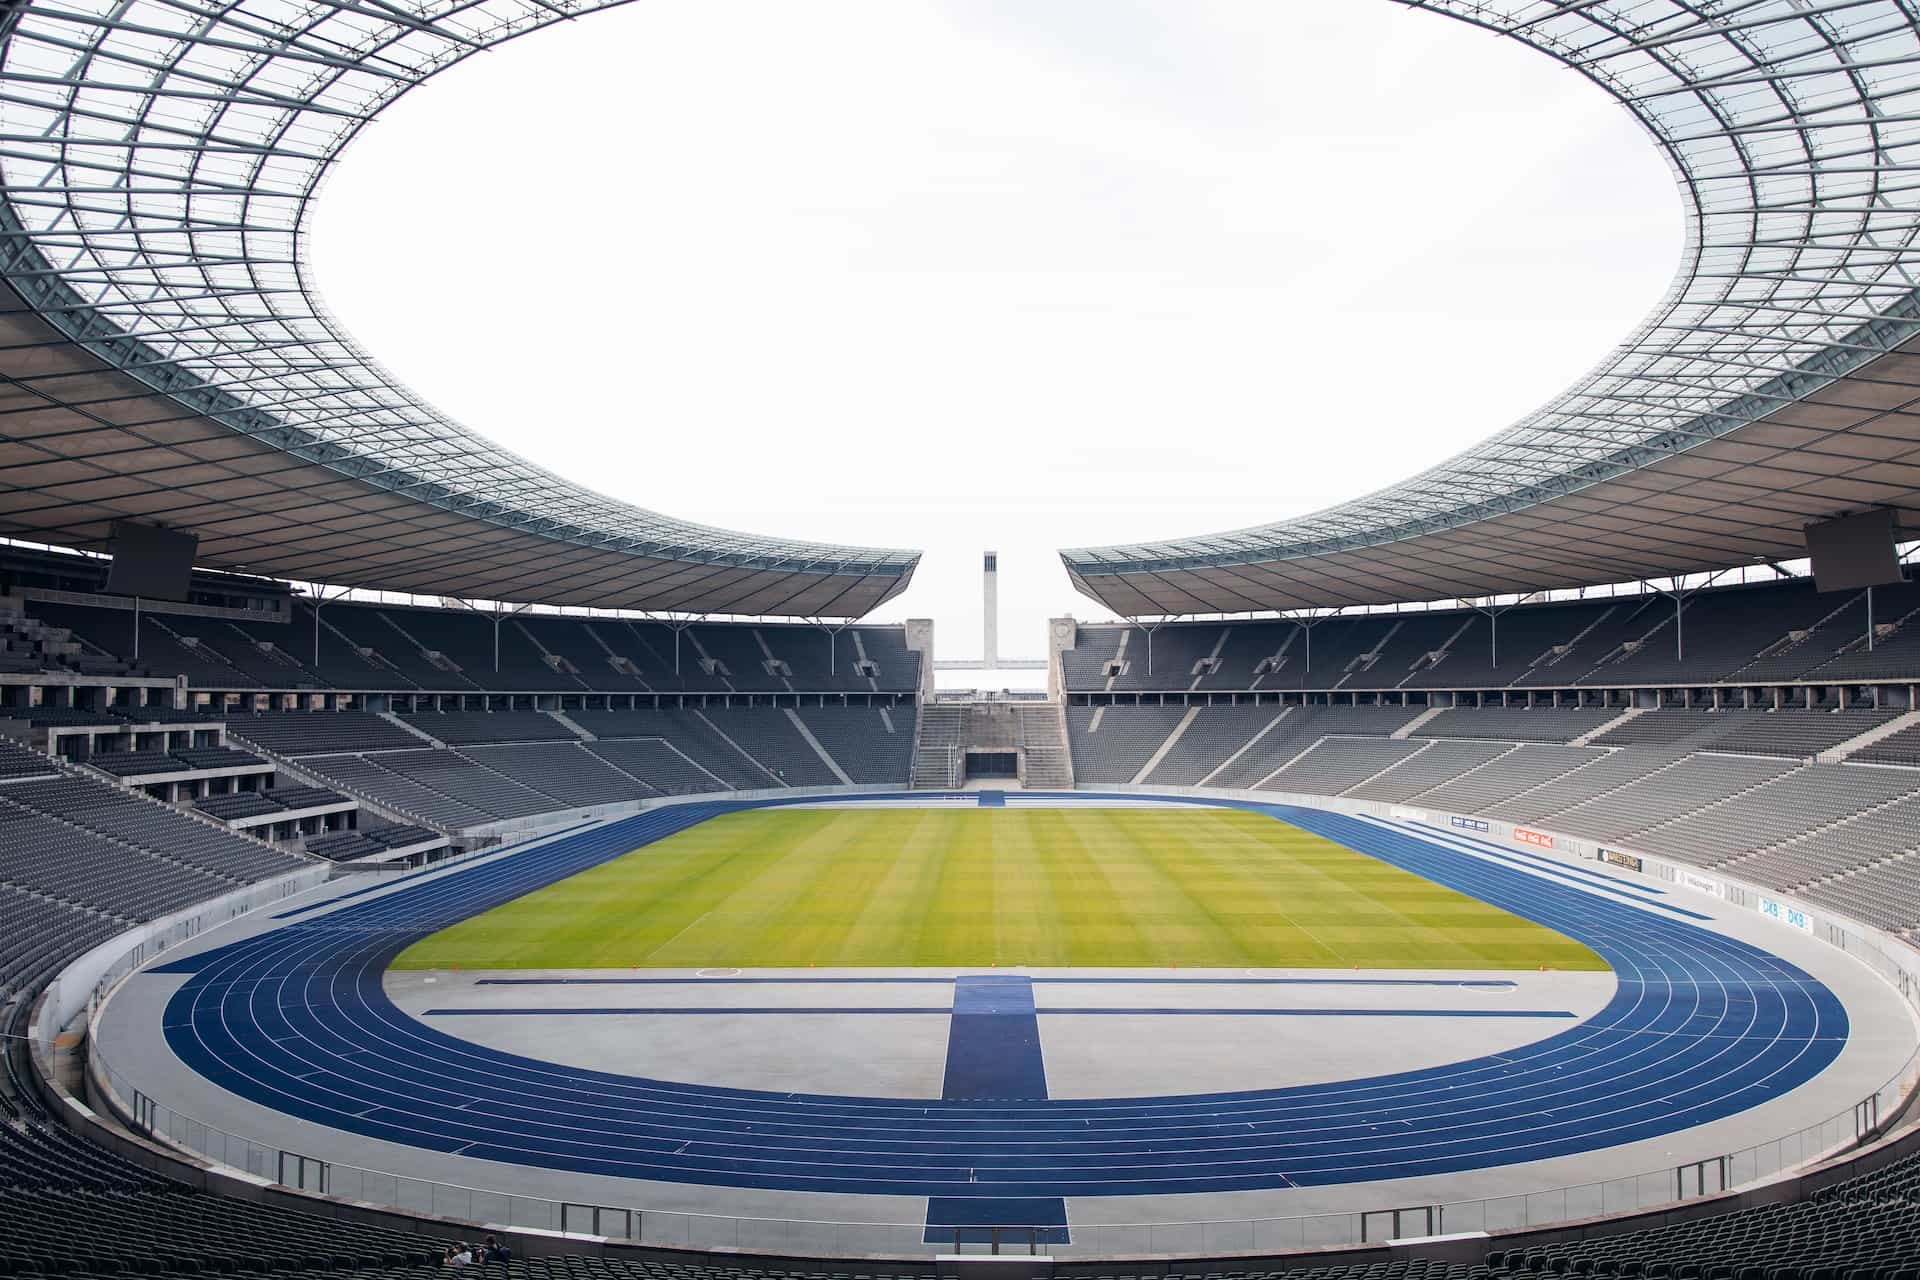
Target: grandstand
[(1554, 640)]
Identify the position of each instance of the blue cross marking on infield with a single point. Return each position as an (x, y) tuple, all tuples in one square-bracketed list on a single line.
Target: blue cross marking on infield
[(993, 1041), (993, 1055)]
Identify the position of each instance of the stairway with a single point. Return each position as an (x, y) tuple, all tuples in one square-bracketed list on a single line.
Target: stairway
[(1834, 755), (1043, 746), (1406, 730), (939, 746), (1587, 738), (26, 643)]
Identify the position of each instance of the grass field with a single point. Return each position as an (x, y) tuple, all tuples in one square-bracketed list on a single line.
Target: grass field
[(786, 888)]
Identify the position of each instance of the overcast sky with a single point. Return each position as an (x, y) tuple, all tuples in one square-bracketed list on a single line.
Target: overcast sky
[(1024, 274)]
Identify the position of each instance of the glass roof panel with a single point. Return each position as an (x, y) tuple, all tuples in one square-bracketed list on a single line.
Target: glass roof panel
[(1783, 122), (160, 157)]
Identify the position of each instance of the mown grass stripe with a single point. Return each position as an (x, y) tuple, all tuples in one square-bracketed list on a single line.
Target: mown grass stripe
[(951, 887)]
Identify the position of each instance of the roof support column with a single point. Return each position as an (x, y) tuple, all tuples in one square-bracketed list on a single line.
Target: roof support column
[(1307, 622), (320, 598), (1677, 588), (1493, 610), (833, 644), (677, 625)]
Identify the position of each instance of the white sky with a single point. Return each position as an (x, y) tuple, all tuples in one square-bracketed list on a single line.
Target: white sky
[(1024, 274)]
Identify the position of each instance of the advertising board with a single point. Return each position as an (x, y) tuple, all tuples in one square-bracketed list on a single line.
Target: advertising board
[(1699, 883), (1786, 914)]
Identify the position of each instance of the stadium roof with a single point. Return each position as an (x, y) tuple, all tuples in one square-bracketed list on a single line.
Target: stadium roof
[(165, 361), (1777, 383)]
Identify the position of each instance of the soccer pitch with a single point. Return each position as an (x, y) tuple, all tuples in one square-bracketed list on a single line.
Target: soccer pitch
[(1119, 887)]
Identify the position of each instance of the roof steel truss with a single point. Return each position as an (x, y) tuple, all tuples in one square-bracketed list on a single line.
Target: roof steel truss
[(1793, 130), (160, 158)]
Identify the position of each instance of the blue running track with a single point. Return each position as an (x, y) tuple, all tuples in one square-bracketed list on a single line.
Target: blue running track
[(1701, 1027)]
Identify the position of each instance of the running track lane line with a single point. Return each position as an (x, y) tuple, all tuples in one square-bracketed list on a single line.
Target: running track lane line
[(1701, 1026)]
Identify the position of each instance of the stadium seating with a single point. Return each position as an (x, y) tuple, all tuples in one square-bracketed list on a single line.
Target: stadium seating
[(71, 1210), (81, 859), (345, 846), (1516, 724), (458, 728), (240, 804), (769, 736), (37, 931), (742, 654), (1825, 627), (1901, 748), (1748, 634), (1895, 654), (1776, 811), (214, 757), (262, 652), (1799, 732), (385, 647), (1333, 765), (1598, 777), (1833, 1237), (1548, 643), (467, 639), (153, 829), (198, 716), (566, 771), (1677, 728), (692, 731), (1733, 791), (307, 733), (1752, 801), (362, 775), (18, 762), (40, 717), (256, 804), (514, 764), (78, 866), (335, 663), (1682, 787), (1441, 761), (1716, 634), (1110, 747), (1215, 734), (1299, 729), (1886, 895), (658, 765), (128, 764), (870, 744), (600, 650), (460, 779), (1526, 767)]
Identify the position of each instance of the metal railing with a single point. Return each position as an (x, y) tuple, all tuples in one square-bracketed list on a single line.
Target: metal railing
[(680, 1228)]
